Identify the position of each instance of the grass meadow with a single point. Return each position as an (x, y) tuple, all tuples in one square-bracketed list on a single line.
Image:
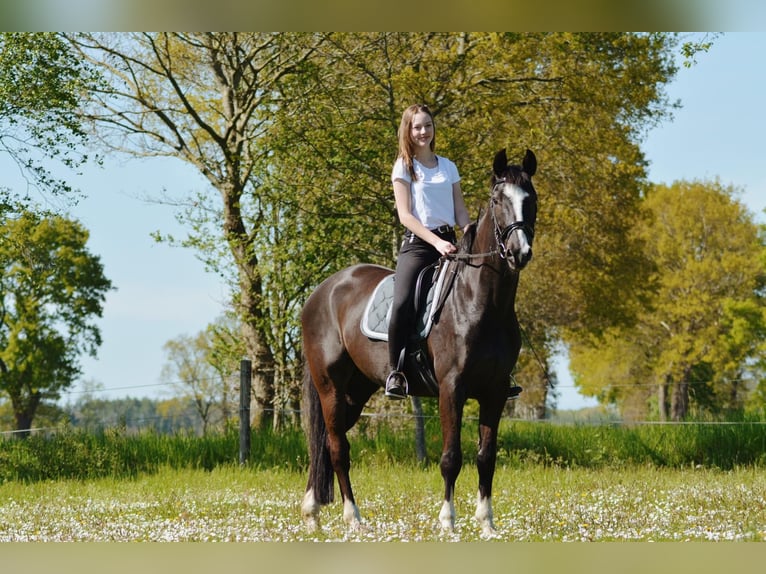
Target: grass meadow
[(556, 483)]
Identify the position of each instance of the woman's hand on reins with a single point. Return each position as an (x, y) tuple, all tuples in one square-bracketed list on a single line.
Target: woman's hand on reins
[(445, 247)]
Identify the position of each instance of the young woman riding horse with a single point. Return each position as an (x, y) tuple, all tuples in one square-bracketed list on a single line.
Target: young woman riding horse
[(428, 202), (477, 325)]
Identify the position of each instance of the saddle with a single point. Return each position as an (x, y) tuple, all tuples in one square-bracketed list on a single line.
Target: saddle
[(431, 289)]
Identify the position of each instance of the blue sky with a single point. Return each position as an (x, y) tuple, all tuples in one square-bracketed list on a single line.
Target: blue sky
[(163, 292)]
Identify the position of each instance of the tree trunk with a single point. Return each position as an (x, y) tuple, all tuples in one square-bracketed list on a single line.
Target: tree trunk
[(262, 375), (541, 410), (250, 311), (24, 409), (734, 393), (255, 341), (224, 405), (679, 400), (662, 401), (23, 423)]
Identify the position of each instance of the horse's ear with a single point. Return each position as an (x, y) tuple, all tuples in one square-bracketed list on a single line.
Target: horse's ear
[(501, 162), (529, 164)]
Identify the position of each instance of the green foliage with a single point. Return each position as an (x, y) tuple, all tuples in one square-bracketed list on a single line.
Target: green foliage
[(47, 416), (167, 416), (51, 289), (700, 333), (296, 133), (690, 49), (41, 86), (190, 371), (335, 142), (209, 99), (725, 445), (722, 444), (205, 368)]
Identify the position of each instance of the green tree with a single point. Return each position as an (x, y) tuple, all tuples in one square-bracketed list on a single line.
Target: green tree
[(297, 133), (699, 335), (51, 290), (41, 85), (174, 415), (188, 369), (48, 416), (205, 367), (581, 101), (208, 99), (225, 350)]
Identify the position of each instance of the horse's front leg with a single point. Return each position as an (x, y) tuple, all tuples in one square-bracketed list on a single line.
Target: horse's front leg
[(489, 421), (451, 415)]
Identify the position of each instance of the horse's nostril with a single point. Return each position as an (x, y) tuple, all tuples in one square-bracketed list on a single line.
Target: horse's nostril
[(522, 258)]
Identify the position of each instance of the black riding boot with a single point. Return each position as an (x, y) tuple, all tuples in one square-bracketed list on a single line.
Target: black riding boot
[(396, 383)]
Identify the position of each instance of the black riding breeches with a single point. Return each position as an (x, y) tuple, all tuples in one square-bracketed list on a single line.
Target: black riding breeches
[(414, 256)]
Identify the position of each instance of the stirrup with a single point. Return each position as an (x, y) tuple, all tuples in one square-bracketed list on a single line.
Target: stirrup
[(394, 390), (514, 392)]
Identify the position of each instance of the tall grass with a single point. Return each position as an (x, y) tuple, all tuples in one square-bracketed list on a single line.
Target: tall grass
[(714, 445), (112, 453), (722, 445)]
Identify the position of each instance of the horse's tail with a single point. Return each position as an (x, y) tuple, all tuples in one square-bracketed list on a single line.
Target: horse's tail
[(321, 474)]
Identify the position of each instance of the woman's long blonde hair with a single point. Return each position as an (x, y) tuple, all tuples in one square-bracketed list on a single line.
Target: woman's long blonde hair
[(406, 146)]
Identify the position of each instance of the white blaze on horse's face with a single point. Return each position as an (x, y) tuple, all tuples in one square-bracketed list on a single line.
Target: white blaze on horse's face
[(516, 195)]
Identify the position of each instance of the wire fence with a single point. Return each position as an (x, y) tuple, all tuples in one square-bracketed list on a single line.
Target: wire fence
[(181, 418), (150, 422)]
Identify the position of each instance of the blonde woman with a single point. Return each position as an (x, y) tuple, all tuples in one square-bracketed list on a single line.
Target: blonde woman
[(429, 203)]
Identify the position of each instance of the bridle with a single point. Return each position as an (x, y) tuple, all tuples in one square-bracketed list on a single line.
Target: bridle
[(501, 234)]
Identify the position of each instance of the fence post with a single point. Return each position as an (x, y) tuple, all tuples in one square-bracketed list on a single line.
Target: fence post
[(245, 378)]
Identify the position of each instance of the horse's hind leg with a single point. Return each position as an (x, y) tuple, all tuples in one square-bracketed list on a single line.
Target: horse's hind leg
[(451, 414), (321, 486), (329, 450), (341, 413), (341, 458), (359, 391)]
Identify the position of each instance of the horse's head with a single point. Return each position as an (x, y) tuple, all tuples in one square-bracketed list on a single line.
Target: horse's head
[(513, 208)]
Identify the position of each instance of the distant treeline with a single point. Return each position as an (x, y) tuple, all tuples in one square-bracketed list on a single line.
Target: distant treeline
[(163, 416)]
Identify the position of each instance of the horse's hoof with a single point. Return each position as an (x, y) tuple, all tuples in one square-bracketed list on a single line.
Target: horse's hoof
[(311, 523), (359, 527), (483, 516), (447, 517), (351, 516), (310, 511)]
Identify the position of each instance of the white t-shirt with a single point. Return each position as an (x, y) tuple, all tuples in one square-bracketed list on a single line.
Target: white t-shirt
[(431, 192)]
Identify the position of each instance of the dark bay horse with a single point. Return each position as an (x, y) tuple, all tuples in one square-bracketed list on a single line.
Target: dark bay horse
[(472, 348)]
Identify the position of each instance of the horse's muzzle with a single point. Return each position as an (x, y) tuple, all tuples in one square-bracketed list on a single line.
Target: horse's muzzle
[(518, 259)]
